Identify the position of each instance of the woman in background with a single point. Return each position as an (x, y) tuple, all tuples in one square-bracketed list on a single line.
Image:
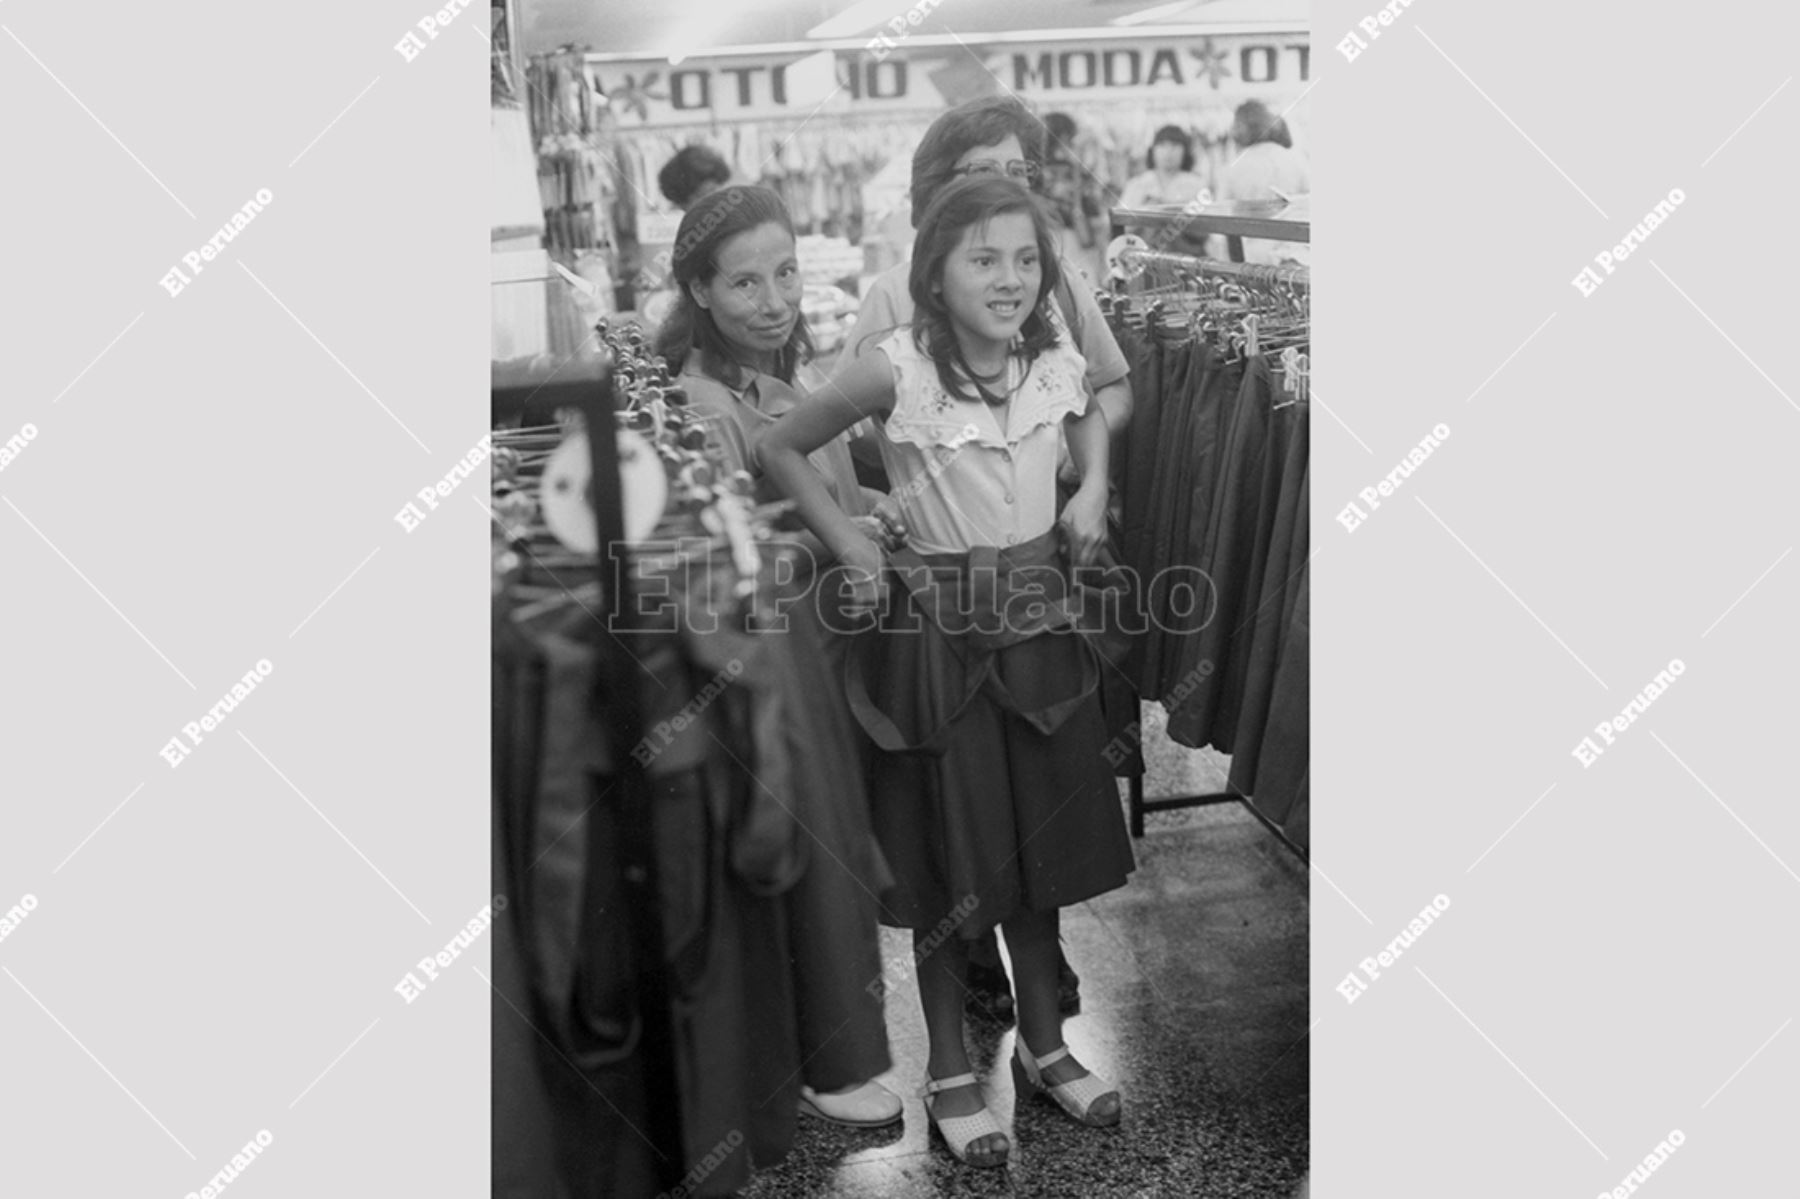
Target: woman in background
[(1170, 181), (1170, 178), (1266, 169)]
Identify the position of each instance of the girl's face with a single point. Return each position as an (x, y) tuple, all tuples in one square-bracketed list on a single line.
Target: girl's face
[(755, 296), (1168, 156), (990, 281)]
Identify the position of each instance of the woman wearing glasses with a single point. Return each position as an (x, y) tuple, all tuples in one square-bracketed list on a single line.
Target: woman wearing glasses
[(999, 135)]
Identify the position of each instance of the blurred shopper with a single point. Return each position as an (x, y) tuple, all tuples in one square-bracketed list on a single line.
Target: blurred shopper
[(1075, 198), (1170, 181), (1266, 170), (694, 172), (1170, 178)]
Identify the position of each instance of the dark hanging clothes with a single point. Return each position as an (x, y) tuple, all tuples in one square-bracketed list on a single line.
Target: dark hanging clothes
[(769, 879), (1216, 496)]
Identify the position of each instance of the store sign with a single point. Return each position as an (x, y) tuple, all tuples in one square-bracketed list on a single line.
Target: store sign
[(650, 93)]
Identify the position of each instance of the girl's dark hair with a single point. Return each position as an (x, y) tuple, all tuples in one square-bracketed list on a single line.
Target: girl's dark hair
[(1175, 135), (983, 122), (713, 220), (692, 166), (969, 204)]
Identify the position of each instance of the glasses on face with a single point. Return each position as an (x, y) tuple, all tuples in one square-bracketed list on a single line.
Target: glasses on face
[(1024, 170)]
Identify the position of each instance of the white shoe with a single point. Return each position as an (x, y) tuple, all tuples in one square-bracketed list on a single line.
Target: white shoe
[(866, 1105), (961, 1132)]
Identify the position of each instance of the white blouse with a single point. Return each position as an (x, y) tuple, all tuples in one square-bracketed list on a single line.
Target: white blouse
[(966, 474)]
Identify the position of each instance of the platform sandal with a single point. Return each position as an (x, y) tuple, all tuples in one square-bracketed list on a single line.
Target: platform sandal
[(1078, 1097), (959, 1132)]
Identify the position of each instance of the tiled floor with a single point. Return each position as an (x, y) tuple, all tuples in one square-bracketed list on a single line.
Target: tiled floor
[(1194, 1004)]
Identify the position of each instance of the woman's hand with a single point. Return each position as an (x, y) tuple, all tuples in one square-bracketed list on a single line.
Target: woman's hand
[(862, 563), (1083, 524), (884, 526)]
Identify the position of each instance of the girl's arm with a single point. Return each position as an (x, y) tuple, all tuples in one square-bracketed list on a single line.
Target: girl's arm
[(1084, 516), (862, 387)]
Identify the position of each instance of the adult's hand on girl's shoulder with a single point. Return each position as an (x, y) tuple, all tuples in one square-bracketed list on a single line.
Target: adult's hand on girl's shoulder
[(1083, 524)]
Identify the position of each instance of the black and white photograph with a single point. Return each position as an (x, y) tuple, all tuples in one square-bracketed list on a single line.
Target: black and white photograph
[(902, 771), (655, 599)]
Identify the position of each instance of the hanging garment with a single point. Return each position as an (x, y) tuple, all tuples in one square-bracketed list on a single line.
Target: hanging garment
[(1282, 539), (1217, 479), (768, 875), (1227, 556), (1282, 773)]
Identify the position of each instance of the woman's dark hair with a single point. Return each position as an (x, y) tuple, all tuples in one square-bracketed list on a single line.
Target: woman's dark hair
[(1253, 124), (1060, 127), (713, 220), (692, 166), (969, 204), (983, 122), (1174, 135)]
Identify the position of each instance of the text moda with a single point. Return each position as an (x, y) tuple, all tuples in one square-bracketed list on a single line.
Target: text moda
[(1587, 282), (240, 1162), (1643, 1170), (16, 914), (409, 988), (410, 517), (175, 752), (176, 279), (15, 445), (1587, 752), (1353, 515), (1352, 987)]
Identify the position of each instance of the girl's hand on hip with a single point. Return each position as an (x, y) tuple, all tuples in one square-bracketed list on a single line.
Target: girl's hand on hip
[(1083, 525)]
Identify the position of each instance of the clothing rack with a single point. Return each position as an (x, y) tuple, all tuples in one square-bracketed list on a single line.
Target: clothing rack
[(1234, 220)]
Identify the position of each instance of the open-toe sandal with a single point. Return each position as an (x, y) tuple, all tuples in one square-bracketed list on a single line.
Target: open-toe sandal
[(960, 1132)]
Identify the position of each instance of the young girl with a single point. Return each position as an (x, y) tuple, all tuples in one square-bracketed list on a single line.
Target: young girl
[(992, 800)]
